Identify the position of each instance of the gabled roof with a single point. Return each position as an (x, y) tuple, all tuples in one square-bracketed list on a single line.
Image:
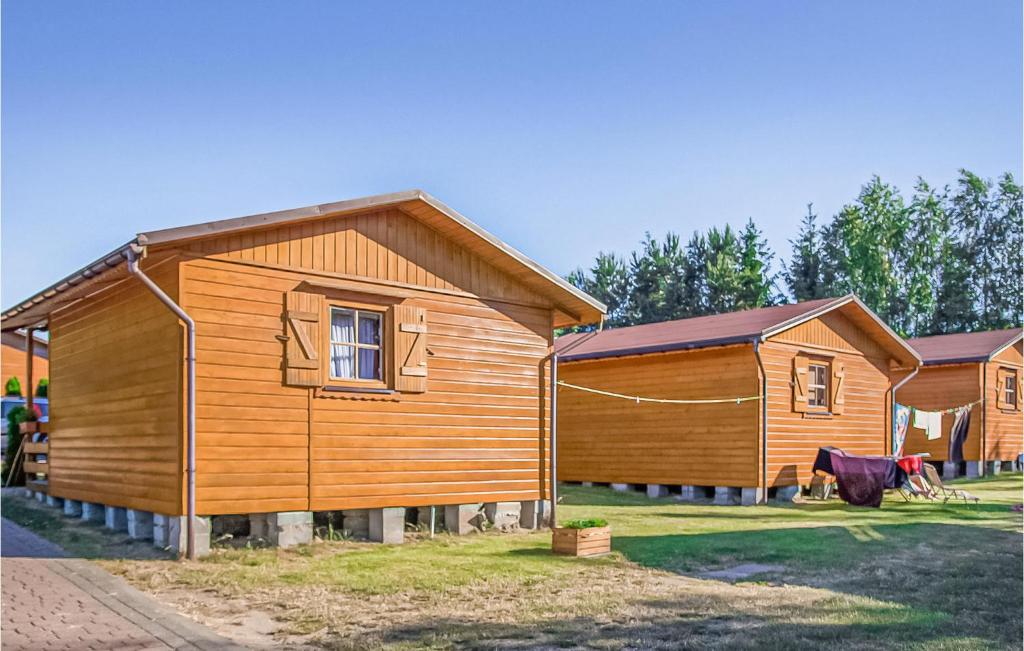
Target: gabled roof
[(573, 305), (724, 329), (965, 347)]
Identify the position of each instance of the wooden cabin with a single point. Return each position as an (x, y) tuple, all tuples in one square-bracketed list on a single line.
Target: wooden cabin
[(808, 375), (372, 354), (13, 362), (960, 369)]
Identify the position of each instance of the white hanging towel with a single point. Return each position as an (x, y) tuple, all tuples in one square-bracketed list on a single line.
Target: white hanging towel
[(934, 429)]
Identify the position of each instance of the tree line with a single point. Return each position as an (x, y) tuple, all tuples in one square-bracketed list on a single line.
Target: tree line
[(940, 260)]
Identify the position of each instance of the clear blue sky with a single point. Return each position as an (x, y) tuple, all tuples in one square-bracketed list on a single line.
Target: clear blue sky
[(564, 128)]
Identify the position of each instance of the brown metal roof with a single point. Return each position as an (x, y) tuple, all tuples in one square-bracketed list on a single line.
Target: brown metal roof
[(721, 330), (573, 303), (964, 347)]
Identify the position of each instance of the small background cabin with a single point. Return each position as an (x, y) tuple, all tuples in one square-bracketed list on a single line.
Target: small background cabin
[(829, 366), (13, 348), (959, 369), (374, 353)]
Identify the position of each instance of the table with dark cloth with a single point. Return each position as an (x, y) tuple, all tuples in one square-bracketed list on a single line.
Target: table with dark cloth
[(861, 479), (823, 461)]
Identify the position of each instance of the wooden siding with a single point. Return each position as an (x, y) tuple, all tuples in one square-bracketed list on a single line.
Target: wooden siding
[(477, 434), (604, 439), (116, 397), (937, 388), (1004, 428), (13, 362)]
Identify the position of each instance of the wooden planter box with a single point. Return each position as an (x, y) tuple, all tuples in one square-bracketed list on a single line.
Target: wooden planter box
[(582, 542), (29, 427)]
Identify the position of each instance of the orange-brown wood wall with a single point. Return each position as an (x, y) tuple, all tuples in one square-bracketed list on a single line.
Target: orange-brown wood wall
[(13, 362), (1004, 428), (477, 434), (116, 397), (938, 388)]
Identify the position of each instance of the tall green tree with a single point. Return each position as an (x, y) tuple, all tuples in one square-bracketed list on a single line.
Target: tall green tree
[(756, 279), (927, 241), (805, 274), (608, 281), (723, 270)]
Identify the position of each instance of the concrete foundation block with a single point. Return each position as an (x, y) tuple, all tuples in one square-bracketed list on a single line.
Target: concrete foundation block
[(92, 512), (655, 491), (622, 488), (751, 496), (28, 493), (786, 493), (41, 497), (56, 502), (461, 519), (687, 493), (975, 469), (950, 470), (115, 518), (387, 525), (73, 508), (534, 514), (290, 528), (503, 515), (588, 484), (993, 467), (178, 535), (726, 495), (356, 523), (140, 524)]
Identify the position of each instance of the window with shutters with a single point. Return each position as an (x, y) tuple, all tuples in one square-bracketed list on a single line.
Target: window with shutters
[(1010, 389), (356, 345), (817, 386)]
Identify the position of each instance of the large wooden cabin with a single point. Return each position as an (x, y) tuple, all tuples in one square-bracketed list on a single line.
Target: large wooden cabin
[(827, 367), (960, 369), (373, 353)]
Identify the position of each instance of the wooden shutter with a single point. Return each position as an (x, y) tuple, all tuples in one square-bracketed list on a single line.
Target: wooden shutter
[(303, 351), (1016, 377), (838, 387), (409, 341), (1001, 389), (799, 384)]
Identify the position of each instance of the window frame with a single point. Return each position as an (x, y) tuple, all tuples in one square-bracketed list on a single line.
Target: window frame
[(380, 311), (1010, 397), (825, 408)]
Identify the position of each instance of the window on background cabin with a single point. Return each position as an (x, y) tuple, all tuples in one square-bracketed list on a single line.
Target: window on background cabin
[(355, 345), (1010, 390), (817, 385)]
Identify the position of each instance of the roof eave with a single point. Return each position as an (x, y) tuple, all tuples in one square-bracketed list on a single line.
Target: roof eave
[(660, 348)]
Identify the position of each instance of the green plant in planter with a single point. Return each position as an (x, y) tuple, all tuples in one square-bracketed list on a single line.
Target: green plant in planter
[(13, 387), (585, 523), (43, 388)]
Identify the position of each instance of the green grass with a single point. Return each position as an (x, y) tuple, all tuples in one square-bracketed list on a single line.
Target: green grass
[(908, 575)]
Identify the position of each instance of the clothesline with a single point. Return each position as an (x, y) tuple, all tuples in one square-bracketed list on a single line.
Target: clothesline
[(639, 399), (951, 410)]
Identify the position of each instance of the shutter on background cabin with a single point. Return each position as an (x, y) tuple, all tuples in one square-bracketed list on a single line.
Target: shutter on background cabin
[(799, 384), (838, 387), (302, 350), (1019, 393), (409, 341), (1001, 389)]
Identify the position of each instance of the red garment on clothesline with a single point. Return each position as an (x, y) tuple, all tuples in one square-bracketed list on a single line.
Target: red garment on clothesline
[(911, 465)]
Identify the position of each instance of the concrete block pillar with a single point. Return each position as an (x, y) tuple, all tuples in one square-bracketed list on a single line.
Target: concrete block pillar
[(950, 470), (171, 532), (656, 490), (622, 488), (993, 467), (975, 469), (503, 515), (726, 495), (750, 496), (73, 508), (461, 519), (687, 493), (290, 528), (534, 514), (140, 524), (786, 493), (387, 525), (92, 512), (356, 522), (588, 484), (40, 497), (115, 518), (56, 502)]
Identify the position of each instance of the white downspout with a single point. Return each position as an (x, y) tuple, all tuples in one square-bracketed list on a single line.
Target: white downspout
[(190, 401), (896, 387)]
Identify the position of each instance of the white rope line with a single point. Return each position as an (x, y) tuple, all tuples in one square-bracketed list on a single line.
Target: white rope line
[(951, 410), (639, 399)]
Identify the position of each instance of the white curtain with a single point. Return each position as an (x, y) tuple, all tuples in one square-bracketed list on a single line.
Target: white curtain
[(342, 357)]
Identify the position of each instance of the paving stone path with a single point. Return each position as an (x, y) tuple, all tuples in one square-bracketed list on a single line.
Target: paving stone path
[(51, 601)]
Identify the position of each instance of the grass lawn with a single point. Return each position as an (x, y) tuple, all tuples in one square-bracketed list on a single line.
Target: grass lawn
[(908, 575)]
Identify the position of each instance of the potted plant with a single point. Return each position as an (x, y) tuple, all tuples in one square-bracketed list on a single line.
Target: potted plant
[(585, 537)]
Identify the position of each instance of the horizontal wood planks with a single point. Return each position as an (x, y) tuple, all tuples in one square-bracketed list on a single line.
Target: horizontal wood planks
[(1004, 428), (13, 361), (116, 398), (477, 434), (606, 439), (937, 388)]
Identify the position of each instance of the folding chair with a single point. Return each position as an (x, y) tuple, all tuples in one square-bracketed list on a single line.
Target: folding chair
[(948, 493)]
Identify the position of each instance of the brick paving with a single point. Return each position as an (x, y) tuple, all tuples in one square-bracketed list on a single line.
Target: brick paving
[(50, 601)]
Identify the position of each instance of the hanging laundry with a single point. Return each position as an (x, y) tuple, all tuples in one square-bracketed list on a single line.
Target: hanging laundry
[(930, 422), (901, 419), (958, 435)]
